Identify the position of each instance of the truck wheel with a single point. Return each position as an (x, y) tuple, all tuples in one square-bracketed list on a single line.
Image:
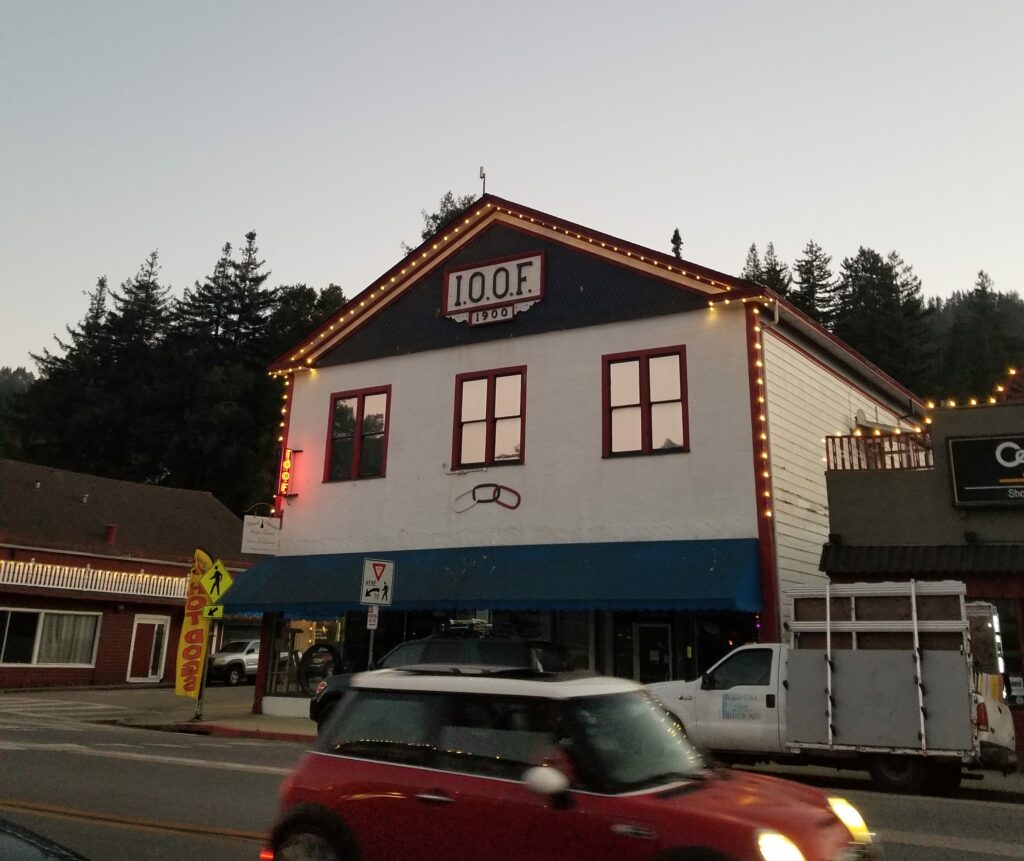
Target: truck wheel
[(234, 675), (943, 777), (898, 773)]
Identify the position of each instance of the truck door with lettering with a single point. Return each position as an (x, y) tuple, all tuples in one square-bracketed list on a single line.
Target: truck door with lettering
[(737, 705)]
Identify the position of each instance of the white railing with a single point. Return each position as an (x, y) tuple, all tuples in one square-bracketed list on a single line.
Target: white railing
[(46, 576)]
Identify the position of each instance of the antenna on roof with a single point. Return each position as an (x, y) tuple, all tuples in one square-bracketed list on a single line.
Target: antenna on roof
[(483, 177)]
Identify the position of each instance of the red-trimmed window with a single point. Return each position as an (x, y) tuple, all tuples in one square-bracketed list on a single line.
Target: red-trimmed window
[(644, 402), (357, 444), (490, 418)]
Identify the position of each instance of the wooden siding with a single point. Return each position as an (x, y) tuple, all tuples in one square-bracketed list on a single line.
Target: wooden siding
[(806, 402)]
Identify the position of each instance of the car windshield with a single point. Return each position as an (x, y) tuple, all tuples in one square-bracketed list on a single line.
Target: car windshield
[(235, 646), (629, 741)]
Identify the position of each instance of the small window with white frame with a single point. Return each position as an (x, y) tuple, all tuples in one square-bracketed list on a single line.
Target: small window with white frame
[(644, 402)]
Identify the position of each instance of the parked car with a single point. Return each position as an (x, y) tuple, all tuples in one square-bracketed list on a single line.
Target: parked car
[(235, 662), (514, 764), (474, 647), (20, 844)]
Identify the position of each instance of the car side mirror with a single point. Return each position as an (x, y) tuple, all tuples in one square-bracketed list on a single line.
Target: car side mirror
[(546, 780), (706, 682)]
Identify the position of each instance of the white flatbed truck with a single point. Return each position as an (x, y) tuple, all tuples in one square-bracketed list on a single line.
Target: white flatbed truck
[(877, 676)]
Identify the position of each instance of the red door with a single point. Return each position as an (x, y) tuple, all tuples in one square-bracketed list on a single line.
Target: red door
[(148, 650)]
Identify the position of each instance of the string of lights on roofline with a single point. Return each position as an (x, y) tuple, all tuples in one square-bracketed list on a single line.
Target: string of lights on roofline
[(378, 291)]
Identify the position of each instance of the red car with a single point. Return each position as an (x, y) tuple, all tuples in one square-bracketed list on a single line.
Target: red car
[(469, 765)]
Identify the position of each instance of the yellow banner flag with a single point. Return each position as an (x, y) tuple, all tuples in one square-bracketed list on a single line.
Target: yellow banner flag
[(195, 631)]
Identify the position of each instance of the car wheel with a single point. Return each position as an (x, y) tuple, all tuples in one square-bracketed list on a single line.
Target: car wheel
[(895, 773), (306, 843), (234, 675)]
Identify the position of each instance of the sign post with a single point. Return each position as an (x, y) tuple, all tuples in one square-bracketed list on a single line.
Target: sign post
[(376, 590)]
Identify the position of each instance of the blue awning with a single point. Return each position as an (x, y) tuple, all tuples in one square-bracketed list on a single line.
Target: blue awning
[(645, 575)]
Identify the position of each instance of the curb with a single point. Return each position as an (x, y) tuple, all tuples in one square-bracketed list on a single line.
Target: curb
[(224, 731)]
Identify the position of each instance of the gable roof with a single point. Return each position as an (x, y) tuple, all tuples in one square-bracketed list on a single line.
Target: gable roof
[(710, 285), (54, 509), (486, 212)]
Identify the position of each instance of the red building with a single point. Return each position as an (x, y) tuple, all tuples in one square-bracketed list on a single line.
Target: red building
[(92, 575)]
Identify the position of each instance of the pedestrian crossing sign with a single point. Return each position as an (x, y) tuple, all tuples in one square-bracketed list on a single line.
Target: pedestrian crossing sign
[(216, 581)]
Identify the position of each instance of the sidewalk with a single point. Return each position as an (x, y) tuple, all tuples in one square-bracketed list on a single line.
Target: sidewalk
[(226, 712)]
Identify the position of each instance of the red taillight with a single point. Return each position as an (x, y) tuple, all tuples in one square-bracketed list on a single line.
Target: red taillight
[(982, 717), (266, 855)]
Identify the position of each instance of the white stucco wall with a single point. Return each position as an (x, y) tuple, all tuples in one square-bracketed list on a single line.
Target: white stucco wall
[(569, 493)]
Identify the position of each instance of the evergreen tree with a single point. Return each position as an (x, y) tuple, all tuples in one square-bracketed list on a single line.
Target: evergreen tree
[(814, 287), (677, 245), (752, 270), (137, 328), (449, 208), (79, 438), (981, 334), (14, 385), (298, 310), (881, 314), (775, 274), (251, 304), (200, 316)]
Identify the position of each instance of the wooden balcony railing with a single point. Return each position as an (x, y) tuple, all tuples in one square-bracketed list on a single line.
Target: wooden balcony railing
[(73, 578), (892, 451)]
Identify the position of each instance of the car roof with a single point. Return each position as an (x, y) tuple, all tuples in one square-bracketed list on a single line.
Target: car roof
[(492, 681)]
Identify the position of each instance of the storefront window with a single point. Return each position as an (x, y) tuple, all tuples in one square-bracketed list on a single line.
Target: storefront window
[(306, 651)]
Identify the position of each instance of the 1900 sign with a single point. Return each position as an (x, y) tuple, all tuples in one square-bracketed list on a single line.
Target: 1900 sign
[(493, 292)]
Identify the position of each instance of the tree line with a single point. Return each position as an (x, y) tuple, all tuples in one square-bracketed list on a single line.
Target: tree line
[(958, 347), (154, 389)]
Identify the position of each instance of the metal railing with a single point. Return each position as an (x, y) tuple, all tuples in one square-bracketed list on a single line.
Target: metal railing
[(41, 575), (892, 451)]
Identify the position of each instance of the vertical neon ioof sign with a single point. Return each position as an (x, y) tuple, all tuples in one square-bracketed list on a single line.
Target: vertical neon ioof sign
[(284, 478)]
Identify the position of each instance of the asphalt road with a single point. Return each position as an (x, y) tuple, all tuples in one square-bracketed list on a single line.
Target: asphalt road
[(118, 793)]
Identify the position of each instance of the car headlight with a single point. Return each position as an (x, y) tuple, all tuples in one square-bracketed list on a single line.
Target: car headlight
[(777, 847), (851, 818)]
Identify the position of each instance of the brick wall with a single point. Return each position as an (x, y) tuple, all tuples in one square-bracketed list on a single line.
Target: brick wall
[(116, 624)]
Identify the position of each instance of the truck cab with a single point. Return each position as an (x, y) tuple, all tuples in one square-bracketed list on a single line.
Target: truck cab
[(737, 705)]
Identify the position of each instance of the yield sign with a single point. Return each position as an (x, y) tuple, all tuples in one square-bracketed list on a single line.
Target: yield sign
[(378, 583)]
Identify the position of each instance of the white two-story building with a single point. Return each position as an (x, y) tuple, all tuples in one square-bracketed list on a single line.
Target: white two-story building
[(570, 436)]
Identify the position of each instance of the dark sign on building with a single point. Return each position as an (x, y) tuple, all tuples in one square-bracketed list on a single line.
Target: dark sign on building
[(987, 470)]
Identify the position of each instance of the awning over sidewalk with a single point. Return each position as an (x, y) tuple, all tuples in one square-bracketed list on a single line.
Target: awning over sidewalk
[(650, 575)]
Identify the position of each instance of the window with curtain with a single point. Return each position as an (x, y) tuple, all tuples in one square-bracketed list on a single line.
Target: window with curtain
[(67, 638), (43, 637)]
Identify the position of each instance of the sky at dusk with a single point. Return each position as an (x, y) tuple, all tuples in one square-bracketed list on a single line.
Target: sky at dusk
[(328, 126)]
